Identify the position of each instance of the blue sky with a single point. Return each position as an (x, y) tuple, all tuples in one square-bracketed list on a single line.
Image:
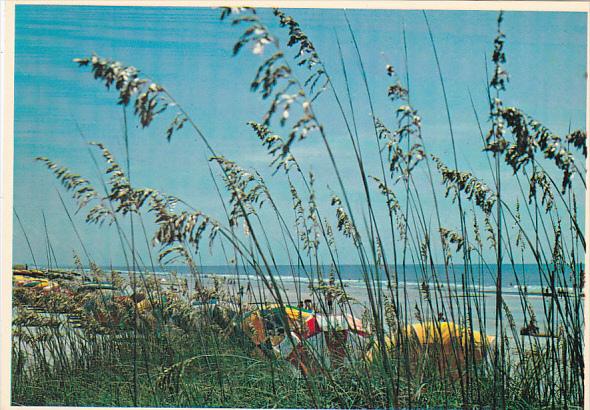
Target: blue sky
[(188, 50)]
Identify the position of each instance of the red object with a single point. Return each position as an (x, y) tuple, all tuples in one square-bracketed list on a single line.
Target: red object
[(313, 327)]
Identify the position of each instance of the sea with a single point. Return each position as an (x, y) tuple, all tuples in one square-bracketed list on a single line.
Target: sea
[(515, 277)]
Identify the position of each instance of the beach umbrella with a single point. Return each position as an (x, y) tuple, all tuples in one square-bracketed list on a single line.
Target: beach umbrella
[(342, 323), (297, 313), (304, 322), (356, 325), (338, 335), (314, 338), (307, 328), (440, 333), (446, 333), (447, 341)]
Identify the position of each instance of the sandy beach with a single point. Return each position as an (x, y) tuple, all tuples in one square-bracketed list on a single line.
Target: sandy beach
[(448, 302)]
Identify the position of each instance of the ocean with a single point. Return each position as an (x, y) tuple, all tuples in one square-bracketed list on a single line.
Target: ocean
[(483, 277)]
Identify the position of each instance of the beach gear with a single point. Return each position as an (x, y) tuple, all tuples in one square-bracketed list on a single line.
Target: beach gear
[(441, 334), (341, 323), (313, 337), (97, 286), (33, 282), (445, 342), (28, 272), (445, 332)]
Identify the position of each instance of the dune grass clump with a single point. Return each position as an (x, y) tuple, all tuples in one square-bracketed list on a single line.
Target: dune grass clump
[(104, 338)]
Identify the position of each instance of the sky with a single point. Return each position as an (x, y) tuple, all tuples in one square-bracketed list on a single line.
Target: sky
[(188, 50)]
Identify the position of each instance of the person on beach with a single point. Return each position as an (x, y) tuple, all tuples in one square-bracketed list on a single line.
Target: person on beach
[(424, 287), (531, 329), (330, 295), (330, 301)]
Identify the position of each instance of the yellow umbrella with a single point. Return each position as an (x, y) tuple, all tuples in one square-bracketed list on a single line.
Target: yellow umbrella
[(441, 335)]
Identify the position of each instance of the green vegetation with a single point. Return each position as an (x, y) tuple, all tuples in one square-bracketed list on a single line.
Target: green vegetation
[(100, 338)]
